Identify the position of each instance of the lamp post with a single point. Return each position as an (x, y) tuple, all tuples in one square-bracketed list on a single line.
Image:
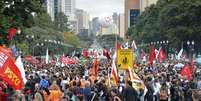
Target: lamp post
[(30, 38), (190, 45), (37, 45)]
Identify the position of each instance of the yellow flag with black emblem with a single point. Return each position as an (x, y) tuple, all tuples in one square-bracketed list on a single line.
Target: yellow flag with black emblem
[(124, 58)]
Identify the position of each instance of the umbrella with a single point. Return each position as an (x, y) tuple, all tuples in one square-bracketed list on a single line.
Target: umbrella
[(179, 66), (198, 60)]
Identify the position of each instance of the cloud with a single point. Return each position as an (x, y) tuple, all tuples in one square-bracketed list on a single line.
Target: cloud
[(101, 7)]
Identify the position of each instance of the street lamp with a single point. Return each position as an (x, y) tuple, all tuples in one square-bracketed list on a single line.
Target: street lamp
[(193, 42), (190, 48), (157, 42), (167, 41), (19, 31), (30, 38), (37, 45), (188, 42)]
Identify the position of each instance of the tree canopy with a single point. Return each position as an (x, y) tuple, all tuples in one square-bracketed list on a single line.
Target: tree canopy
[(174, 20), (108, 41), (17, 14)]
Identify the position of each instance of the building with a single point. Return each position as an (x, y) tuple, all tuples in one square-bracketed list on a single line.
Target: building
[(121, 26), (68, 8), (95, 25), (49, 5), (146, 3), (73, 25), (132, 10), (115, 18), (83, 19)]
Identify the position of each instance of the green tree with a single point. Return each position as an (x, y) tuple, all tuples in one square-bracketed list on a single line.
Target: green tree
[(24, 47), (72, 39), (61, 22), (173, 20), (108, 41), (18, 14)]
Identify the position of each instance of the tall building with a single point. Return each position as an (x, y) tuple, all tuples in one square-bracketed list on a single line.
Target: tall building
[(146, 3), (74, 25), (132, 10), (57, 6), (115, 18), (49, 4), (108, 30), (83, 19), (121, 25), (68, 8), (95, 26)]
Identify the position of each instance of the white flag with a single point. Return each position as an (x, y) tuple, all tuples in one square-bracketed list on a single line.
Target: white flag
[(20, 66), (179, 54), (134, 45), (157, 52), (126, 45), (47, 57)]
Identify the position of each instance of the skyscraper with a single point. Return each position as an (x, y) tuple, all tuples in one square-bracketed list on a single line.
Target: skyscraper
[(95, 26), (49, 4), (68, 8), (83, 19), (121, 25), (132, 10), (115, 18)]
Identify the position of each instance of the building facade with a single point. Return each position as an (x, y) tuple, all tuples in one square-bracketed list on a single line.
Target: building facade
[(95, 25), (49, 4), (121, 26), (132, 10), (83, 19)]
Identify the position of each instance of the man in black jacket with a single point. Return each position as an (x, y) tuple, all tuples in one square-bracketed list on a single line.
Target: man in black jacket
[(129, 93)]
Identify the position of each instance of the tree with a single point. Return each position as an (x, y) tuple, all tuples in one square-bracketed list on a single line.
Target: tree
[(61, 22), (17, 14), (108, 41), (173, 20), (72, 39), (24, 47)]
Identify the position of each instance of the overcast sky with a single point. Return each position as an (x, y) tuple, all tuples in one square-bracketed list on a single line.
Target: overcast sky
[(101, 8)]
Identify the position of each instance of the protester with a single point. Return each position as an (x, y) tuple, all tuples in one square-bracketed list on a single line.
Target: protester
[(77, 82), (129, 93)]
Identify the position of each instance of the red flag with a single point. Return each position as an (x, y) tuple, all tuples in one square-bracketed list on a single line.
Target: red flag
[(95, 67), (192, 67), (186, 72), (106, 53), (9, 71), (53, 62), (67, 60), (142, 54), (85, 53), (152, 56), (114, 72), (161, 55), (11, 33), (28, 58), (7, 51), (117, 45)]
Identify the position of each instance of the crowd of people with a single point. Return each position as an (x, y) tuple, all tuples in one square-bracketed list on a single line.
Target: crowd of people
[(76, 83)]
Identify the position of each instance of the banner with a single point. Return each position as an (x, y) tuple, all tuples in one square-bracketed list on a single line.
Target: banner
[(124, 58), (9, 72), (67, 60)]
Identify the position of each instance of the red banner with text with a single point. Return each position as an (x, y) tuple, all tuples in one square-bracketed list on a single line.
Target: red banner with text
[(9, 72)]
